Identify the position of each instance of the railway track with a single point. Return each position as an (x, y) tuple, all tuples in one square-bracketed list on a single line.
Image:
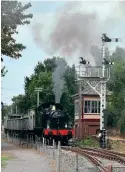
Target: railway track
[(92, 155), (120, 158), (104, 151), (92, 159)]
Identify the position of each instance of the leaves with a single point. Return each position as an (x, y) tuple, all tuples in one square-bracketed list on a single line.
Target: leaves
[(117, 86), (42, 78), (12, 16), (3, 71)]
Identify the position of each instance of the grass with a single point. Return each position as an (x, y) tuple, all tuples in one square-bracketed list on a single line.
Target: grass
[(88, 142), (4, 159)]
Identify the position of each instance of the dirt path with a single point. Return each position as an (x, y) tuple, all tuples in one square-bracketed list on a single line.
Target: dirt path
[(117, 138), (25, 160)]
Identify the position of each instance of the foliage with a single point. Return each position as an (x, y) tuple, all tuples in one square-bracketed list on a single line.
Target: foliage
[(116, 85), (42, 78), (5, 109), (87, 142), (4, 159), (21, 102), (3, 71), (122, 122), (12, 16), (70, 89)]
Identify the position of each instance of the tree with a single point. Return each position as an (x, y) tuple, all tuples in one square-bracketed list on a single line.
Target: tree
[(70, 89), (42, 77), (118, 54), (5, 109), (12, 16), (117, 86), (21, 102), (122, 123)]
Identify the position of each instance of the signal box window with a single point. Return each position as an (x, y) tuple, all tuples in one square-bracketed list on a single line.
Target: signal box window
[(76, 107), (91, 106)]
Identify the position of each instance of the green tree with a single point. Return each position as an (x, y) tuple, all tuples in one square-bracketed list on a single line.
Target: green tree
[(70, 89), (122, 123), (12, 16), (5, 109), (116, 85), (21, 102), (41, 78)]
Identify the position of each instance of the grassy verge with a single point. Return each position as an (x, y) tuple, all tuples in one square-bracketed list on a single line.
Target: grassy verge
[(88, 142), (4, 159)]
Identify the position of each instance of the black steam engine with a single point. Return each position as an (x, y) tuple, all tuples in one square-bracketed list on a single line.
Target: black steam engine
[(48, 121)]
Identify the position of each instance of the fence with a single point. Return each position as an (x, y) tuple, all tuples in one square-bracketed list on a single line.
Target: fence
[(65, 161)]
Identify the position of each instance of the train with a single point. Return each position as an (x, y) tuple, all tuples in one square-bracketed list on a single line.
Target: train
[(48, 120)]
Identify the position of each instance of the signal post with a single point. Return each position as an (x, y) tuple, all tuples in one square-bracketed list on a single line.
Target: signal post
[(96, 77)]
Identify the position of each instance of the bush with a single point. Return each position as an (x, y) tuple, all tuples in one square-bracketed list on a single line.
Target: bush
[(87, 142)]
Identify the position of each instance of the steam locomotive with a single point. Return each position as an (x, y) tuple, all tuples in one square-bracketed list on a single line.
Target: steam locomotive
[(48, 121)]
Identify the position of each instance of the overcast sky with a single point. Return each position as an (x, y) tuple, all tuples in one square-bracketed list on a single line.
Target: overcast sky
[(111, 15)]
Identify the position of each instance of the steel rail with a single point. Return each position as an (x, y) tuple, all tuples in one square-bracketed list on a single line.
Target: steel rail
[(105, 154), (93, 160)]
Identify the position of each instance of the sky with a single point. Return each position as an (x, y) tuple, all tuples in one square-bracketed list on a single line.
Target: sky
[(46, 12)]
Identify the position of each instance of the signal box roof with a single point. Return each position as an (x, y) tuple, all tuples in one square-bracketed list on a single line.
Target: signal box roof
[(87, 91)]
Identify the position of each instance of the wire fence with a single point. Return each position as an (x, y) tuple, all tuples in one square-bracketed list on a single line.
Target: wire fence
[(65, 161)]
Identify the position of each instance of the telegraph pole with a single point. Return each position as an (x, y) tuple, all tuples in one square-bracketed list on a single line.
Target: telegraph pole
[(16, 106), (16, 109), (11, 110), (38, 90)]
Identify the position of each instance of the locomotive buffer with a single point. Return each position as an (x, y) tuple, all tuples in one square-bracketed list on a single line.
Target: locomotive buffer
[(96, 77)]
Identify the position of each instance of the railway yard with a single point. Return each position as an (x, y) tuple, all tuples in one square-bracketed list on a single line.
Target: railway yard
[(68, 158)]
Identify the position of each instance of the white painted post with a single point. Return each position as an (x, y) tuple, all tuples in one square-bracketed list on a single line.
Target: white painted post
[(15, 138), (76, 155), (32, 140), (35, 142), (12, 137), (7, 136), (43, 143), (53, 148), (18, 139), (27, 139), (39, 144), (58, 159)]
